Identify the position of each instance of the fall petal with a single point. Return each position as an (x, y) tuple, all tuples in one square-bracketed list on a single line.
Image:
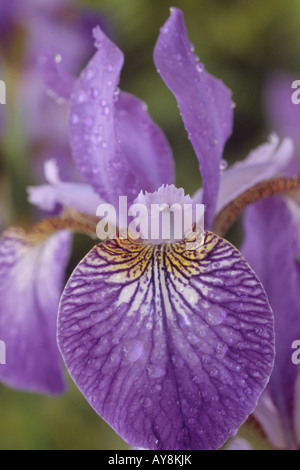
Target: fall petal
[(32, 275), (270, 247), (171, 347)]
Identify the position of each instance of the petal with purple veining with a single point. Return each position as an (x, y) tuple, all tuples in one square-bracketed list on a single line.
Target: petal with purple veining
[(31, 279), (171, 347)]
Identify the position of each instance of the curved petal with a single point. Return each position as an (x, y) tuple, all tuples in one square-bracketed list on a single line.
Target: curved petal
[(205, 103), (270, 248), (171, 347), (78, 196), (31, 279), (265, 162), (115, 144), (143, 143)]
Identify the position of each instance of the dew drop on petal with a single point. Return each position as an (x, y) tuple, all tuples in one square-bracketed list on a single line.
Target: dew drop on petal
[(146, 402), (215, 315), (57, 58), (132, 350), (155, 371), (223, 165)]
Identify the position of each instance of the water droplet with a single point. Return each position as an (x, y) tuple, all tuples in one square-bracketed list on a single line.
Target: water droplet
[(95, 93), (132, 350), (221, 350), (82, 98), (214, 373), (196, 379), (216, 315), (57, 58), (115, 358), (199, 67), (223, 165), (146, 402), (89, 74), (155, 371), (177, 361)]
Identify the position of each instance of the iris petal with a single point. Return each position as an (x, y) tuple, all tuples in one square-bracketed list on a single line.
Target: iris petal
[(271, 248), (171, 347), (265, 162), (115, 144), (205, 103), (78, 196), (31, 278)]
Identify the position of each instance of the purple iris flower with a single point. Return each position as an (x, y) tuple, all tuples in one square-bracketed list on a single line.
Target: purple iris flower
[(272, 248), (171, 347)]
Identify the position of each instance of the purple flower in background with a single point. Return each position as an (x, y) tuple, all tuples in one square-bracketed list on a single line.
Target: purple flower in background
[(171, 347), (47, 27), (272, 248)]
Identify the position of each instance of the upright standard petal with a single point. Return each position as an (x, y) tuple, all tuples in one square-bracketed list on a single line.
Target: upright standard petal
[(31, 281), (171, 347), (271, 249), (205, 103), (115, 144)]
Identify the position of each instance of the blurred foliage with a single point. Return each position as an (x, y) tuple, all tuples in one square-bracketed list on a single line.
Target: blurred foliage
[(240, 41)]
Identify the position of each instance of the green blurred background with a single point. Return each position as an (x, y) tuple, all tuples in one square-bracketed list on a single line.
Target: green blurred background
[(242, 42)]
